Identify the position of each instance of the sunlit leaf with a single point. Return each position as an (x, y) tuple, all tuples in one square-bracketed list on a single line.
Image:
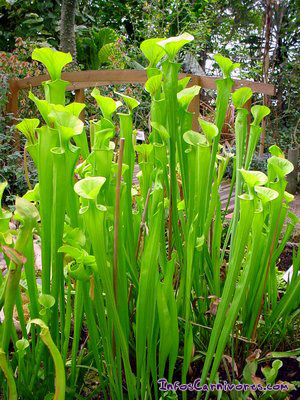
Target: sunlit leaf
[(266, 194), (46, 300), (28, 127), (152, 51), (107, 105), (34, 194), (182, 83), (89, 187), (194, 138), (3, 185), (209, 129), (226, 65), (68, 124), (72, 251), (22, 344), (280, 166), (53, 60), (253, 178), (241, 96), (75, 108), (173, 44), (26, 211), (276, 151), (130, 102), (153, 84), (161, 130), (259, 113), (43, 106), (288, 197), (186, 95)]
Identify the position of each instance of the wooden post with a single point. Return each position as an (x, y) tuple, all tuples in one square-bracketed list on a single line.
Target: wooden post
[(80, 98), (12, 108), (195, 104)]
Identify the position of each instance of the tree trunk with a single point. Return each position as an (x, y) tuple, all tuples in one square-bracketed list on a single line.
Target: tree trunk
[(67, 27), (266, 64)]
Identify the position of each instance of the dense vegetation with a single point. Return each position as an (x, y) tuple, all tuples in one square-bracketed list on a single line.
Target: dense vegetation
[(108, 286), (137, 282), (261, 35)]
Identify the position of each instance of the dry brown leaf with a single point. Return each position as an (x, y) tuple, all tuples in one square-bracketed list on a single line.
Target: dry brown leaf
[(253, 356), (229, 359), (213, 307), (256, 380)]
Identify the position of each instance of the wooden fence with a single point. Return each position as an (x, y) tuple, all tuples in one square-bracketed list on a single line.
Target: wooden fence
[(89, 79)]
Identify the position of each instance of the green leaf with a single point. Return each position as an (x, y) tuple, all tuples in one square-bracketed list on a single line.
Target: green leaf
[(194, 138), (72, 251), (68, 124), (280, 166), (34, 194), (107, 105), (259, 113), (75, 108), (89, 187), (173, 44), (249, 371), (105, 36), (271, 373), (209, 129), (3, 185), (28, 127), (153, 84), (26, 211), (53, 60), (266, 194), (276, 151), (42, 105), (186, 95), (254, 178), (152, 51), (241, 96), (164, 134), (105, 52), (226, 65), (46, 300), (293, 218), (288, 197), (74, 236), (284, 354), (199, 242), (22, 344), (145, 150), (129, 101), (182, 83)]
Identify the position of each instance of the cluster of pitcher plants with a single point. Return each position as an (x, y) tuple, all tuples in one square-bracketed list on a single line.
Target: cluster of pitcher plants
[(141, 282)]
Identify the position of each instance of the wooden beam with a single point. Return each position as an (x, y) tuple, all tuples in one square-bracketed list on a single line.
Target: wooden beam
[(209, 82), (84, 79)]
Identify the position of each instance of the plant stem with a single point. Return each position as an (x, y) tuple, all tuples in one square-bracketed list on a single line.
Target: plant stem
[(9, 376)]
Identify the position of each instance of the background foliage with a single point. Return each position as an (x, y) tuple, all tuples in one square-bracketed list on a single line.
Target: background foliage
[(108, 35)]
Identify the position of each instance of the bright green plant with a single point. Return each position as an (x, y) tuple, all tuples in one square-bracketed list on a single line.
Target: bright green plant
[(140, 268)]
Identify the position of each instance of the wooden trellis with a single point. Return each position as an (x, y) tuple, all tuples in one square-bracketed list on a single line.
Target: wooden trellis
[(87, 79)]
